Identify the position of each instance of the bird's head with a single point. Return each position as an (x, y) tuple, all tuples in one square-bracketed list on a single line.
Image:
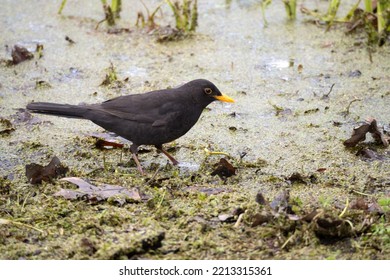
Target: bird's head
[(205, 92)]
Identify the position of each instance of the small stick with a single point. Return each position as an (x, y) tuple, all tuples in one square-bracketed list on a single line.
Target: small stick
[(361, 193), (345, 208), (287, 241), (327, 95), (5, 222), (209, 153), (240, 217), (349, 105)]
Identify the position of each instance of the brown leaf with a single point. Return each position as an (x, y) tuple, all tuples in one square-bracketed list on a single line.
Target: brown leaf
[(369, 154), (296, 177), (224, 169), (376, 134), (359, 134), (106, 141), (359, 204), (94, 193), (37, 173), (20, 54), (323, 169), (260, 199), (260, 218)]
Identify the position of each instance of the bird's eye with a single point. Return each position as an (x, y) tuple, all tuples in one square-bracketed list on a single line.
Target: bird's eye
[(208, 91)]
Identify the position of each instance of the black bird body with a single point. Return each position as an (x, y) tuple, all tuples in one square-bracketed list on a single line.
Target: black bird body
[(151, 118)]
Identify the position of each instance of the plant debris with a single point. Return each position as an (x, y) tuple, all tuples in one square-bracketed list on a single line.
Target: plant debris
[(296, 177), (326, 225), (37, 173), (39, 50), (168, 33), (69, 40), (354, 74), (106, 141), (260, 199), (369, 154), (93, 193), (117, 30), (24, 116), (359, 203), (42, 85), (224, 169), (20, 54), (280, 111), (6, 126), (281, 201), (359, 134), (111, 78)]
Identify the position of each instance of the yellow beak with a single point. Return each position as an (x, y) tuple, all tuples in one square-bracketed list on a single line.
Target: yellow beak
[(224, 98)]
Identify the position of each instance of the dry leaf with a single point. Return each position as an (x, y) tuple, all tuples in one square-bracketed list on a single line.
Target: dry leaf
[(20, 54), (359, 134), (224, 169), (37, 173), (94, 193), (260, 199)]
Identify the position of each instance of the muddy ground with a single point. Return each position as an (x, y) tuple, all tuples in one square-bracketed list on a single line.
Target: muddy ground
[(298, 192)]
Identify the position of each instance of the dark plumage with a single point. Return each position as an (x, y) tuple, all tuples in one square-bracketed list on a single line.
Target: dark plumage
[(151, 118)]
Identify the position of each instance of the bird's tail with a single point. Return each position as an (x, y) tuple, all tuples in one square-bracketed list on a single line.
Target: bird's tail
[(62, 110)]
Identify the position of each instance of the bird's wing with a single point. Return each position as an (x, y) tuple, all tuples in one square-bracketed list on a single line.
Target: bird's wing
[(156, 109), (168, 119)]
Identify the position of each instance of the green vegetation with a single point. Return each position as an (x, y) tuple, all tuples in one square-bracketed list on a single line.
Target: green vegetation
[(291, 9), (289, 5), (111, 12), (264, 5), (111, 78), (186, 14), (149, 22), (374, 18)]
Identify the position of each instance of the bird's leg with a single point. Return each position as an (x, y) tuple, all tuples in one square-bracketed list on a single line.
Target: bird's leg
[(134, 149), (138, 164), (171, 158)]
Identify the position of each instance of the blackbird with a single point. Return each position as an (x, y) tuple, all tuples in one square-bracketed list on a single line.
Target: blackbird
[(152, 118)]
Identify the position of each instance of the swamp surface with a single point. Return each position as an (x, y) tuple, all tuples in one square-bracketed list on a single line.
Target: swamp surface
[(298, 192)]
